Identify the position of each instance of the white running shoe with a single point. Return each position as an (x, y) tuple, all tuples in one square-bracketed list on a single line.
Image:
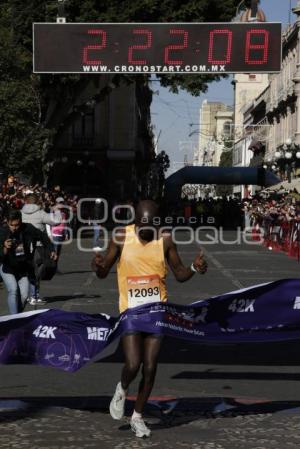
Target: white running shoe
[(117, 404), (34, 301), (139, 427)]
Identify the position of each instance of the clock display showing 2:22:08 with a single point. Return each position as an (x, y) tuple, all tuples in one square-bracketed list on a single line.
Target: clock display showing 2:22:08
[(192, 47)]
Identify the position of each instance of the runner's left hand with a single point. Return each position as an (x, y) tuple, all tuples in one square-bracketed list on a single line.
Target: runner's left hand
[(200, 264)]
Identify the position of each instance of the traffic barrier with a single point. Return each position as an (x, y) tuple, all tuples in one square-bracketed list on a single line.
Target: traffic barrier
[(283, 236)]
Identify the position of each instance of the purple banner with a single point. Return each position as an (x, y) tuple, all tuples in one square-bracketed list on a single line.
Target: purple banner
[(68, 340)]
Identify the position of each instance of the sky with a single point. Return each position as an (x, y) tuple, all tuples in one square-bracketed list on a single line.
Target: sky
[(172, 114)]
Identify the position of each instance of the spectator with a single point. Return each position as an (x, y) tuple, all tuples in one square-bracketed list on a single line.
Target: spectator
[(33, 213), (17, 244), (58, 231)]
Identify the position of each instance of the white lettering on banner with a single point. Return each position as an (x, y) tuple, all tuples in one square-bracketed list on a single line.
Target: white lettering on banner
[(202, 318), (180, 328), (297, 303), (242, 305), (64, 358), (195, 318), (77, 358), (45, 332), (228, 329), (97, 333)]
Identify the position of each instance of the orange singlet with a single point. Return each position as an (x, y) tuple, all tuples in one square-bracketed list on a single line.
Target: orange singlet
[(141, 271)]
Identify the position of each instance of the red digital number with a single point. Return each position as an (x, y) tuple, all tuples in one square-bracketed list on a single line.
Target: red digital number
[(145, 46), (264, 47), (220, 33), (177, 47), (88, 48)]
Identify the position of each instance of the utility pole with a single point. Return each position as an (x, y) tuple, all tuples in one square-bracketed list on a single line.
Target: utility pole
[(61, 16), (254, 9), (157, 141)]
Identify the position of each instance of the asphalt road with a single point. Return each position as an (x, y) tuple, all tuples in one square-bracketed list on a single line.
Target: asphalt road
[(205, 396)]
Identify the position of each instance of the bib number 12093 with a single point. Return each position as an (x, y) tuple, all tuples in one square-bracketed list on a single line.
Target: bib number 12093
[(142, 290)]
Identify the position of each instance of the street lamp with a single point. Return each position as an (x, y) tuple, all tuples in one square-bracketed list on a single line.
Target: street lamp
[(270, 165), (254, 8), (288, 157)]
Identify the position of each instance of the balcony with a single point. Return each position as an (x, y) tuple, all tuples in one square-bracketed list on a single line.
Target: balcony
[(80, 142)]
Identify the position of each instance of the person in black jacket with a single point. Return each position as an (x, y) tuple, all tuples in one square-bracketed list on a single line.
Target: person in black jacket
[(17, 245)]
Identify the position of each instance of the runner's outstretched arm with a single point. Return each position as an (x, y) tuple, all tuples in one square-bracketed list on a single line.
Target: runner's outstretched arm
[(181, 272), (102, 264)]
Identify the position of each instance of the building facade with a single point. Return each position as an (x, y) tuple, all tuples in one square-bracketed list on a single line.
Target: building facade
[(224, 120), (215, 121), (106, 150), (283, 96), (280, 102), (247, 88)]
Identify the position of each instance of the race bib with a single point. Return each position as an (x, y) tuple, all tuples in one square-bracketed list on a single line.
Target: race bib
[(142, 290)]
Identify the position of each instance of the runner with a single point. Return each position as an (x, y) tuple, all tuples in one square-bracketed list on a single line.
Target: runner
[(141, 253)]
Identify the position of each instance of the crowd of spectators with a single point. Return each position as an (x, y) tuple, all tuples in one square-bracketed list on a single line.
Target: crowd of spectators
[(33, 228), (13, 194), (223, 212), (276, 222), (274, 219)]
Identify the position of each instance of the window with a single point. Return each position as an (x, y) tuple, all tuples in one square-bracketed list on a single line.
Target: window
[(227, 129), (83, 128)]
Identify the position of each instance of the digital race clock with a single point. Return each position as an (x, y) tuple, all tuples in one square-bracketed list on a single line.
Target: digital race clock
[(156, 47)]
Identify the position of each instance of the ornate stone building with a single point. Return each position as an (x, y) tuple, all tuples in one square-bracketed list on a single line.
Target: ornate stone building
[(282, 97), (281, 103), (215, 121)]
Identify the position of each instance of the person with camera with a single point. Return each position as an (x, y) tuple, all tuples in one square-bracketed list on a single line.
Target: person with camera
[(17, 244)]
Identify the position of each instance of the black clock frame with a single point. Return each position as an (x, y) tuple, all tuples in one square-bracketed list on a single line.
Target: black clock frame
[(157, 47)]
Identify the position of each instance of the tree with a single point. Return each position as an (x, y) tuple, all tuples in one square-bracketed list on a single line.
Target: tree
[(35, 109), (156, 176), (22, 134)]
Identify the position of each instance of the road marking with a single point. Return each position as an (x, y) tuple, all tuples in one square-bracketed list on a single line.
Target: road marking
[(90, 279), (226, 273), (238, 252)]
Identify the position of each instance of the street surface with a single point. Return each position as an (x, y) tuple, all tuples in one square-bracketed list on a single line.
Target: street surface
[(205, 397)]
